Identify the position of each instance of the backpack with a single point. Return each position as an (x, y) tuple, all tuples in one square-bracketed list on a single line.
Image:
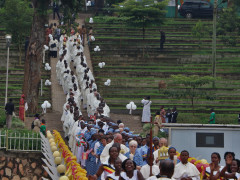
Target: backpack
[(32, 125)]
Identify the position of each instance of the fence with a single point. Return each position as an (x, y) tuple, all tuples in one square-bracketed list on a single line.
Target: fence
[(18, 141)]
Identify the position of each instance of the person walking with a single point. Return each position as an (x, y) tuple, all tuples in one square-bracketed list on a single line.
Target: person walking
[(56, 10), (212, 117), (22, 108), (9, 108), (162, 40), (146, 114)]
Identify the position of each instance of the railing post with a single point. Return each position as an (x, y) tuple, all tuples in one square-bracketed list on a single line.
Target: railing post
[(7, 140)]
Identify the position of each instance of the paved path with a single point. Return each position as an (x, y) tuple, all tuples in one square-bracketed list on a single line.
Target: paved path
[(53, 118)]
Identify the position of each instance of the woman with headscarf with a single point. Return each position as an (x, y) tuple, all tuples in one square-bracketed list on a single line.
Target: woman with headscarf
[(22, 108)]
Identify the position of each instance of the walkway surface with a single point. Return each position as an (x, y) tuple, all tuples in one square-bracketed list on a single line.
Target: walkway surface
[(53, 118)]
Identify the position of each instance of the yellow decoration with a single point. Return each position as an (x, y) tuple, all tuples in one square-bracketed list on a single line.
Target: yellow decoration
[(54, 148), (52, 144), (61, 169), (163, 153), (56, 154), (63, 178), (58, 160), (51, 140)]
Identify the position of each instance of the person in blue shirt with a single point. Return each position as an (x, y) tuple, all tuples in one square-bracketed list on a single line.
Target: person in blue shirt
[(144, 149), (134, 154), (171, 153)]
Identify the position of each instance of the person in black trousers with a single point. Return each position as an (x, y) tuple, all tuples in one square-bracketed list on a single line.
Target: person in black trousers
[(9, 108), (162, 40), (174, 115), (56, 10)]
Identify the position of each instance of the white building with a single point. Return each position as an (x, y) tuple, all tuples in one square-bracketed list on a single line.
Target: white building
[(201, 140)]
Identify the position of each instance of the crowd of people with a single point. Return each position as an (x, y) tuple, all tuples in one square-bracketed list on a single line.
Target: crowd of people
[(109, 150)]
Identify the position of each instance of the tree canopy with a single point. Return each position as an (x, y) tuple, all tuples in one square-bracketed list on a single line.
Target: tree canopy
[(143, 13), (16, 17), (190, 85)]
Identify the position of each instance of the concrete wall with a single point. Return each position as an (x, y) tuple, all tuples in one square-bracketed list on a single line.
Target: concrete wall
[(185, 139)]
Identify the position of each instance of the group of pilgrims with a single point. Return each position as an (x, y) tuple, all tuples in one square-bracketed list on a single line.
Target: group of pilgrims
[(106, 148)]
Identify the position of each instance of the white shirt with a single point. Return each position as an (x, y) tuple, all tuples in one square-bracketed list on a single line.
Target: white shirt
[(186, 170), (145, 170)]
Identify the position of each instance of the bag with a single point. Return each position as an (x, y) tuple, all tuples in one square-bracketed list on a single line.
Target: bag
[(32, 125), (53, 45)]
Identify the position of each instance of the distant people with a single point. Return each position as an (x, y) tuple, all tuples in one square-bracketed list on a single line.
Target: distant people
[(157, 123), (22, 108), (43, 128), (146, 114), (36, 123), (174, 115), (212, 117), (239, 118), (55, 10), (53, 44), (168, 116), (26, 45), (9, 108), (162, 40), (185, 170), (163, 114)]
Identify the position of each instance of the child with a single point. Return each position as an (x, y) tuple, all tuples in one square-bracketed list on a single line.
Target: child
[(43, 128)]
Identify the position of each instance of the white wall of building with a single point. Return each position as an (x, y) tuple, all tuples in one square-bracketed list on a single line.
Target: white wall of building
[(185, 139)]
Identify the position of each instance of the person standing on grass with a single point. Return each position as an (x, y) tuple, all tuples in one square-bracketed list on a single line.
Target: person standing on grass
[(212, 117), (146, 114), (9, 108), (162, 40), (174, 115)]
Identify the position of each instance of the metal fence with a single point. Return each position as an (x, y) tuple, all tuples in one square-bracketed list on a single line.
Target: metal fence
[(17, 141)]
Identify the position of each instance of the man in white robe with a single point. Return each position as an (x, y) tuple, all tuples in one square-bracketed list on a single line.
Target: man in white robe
[(146, 115), (117, 139), (185, 170)]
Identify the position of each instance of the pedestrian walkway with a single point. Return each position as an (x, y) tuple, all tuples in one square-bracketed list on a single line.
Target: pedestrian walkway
[(53, 118)]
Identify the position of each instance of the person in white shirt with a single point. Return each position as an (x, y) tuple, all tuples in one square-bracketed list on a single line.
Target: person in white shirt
[(117, 139), (145, 170), (185, 170)]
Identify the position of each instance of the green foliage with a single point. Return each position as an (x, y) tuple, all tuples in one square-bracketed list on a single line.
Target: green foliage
[(191, 85), (143, 13), (2, 117), (199, 31), (228, 27), (16, 16), (146, 130), (2, 2)]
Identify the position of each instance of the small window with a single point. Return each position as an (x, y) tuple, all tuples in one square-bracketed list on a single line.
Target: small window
[(209, 139)]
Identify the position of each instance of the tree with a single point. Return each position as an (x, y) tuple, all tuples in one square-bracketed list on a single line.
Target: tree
[(191, 85), (228, 26), (199, 31), (143, 13), (33, 63), (16, 17)]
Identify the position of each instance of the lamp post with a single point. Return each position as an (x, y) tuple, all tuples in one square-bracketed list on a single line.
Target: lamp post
[(8, 42)]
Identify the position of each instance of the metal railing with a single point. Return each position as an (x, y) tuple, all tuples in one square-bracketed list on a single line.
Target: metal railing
[(17, 141)]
